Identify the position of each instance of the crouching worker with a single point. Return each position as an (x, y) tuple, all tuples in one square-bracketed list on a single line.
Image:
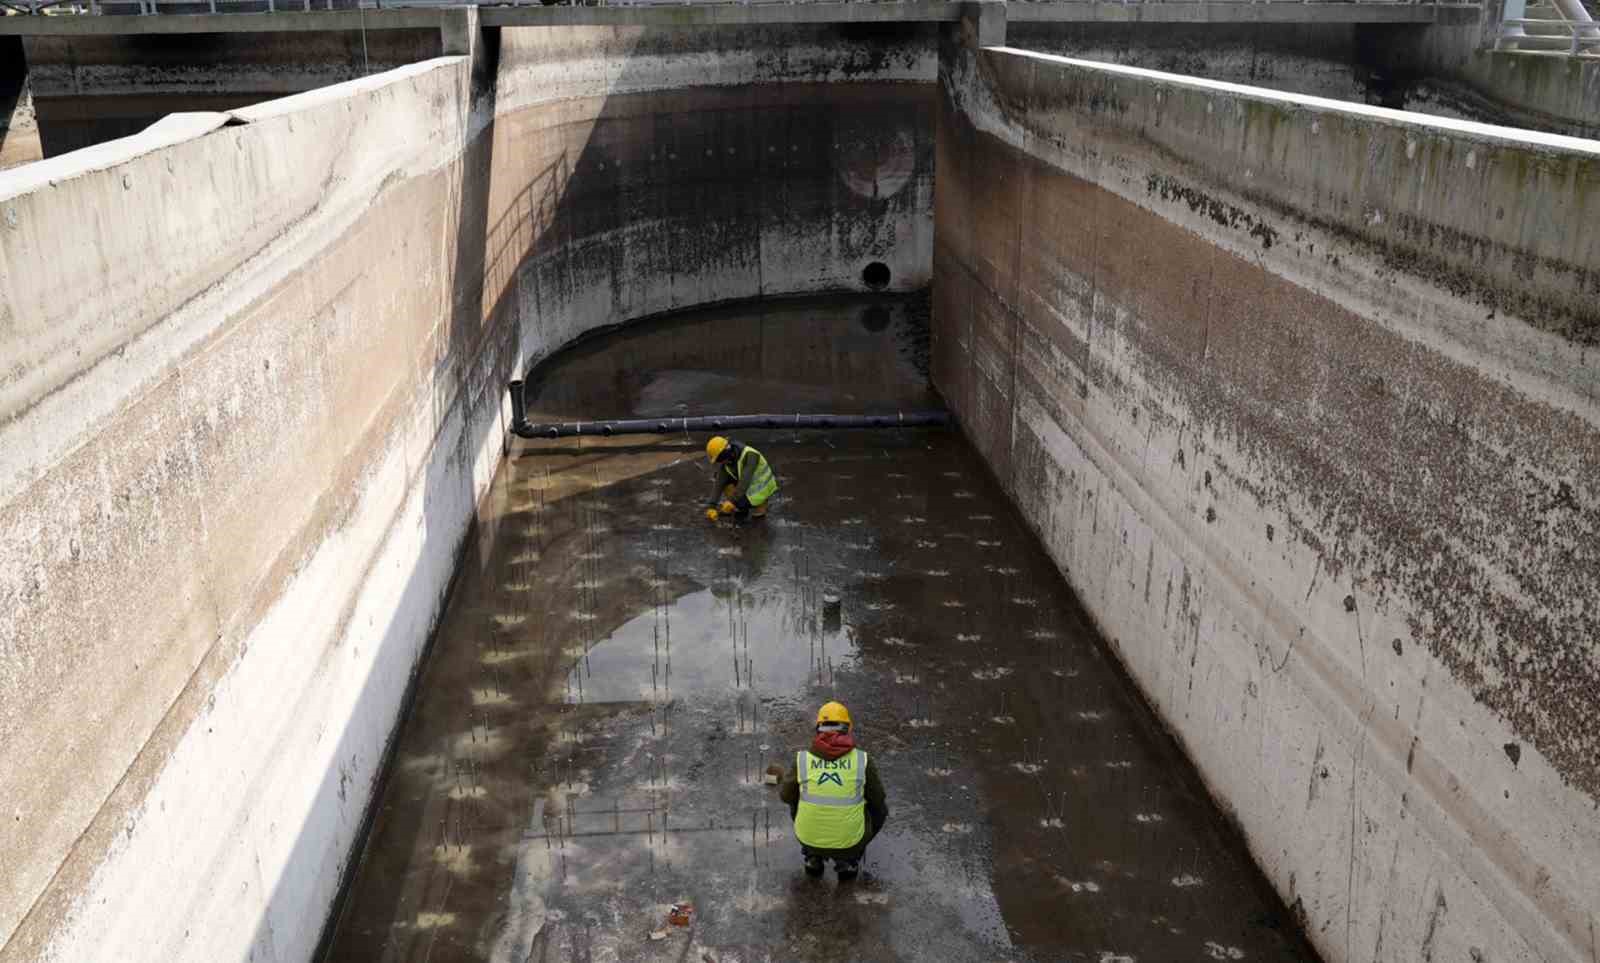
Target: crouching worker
[(835, 797), (744, 481)]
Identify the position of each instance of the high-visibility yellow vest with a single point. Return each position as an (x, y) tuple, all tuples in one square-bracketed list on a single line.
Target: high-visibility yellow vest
[(763, 484), (833, 802)]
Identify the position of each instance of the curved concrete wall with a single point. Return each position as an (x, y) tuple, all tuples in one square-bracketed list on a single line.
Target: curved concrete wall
[(804, 155), (1301, 397), (254, 391)]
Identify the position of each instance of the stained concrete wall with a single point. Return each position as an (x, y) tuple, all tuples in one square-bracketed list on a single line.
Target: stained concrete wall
[(804, 155), (1301, 396), (254, 391), (242, 438)]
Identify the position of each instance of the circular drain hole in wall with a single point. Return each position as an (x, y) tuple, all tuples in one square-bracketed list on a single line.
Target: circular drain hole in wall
[(875, 275), (875, 318)]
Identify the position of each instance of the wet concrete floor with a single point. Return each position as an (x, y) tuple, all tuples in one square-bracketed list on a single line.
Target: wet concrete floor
[(614, 673)]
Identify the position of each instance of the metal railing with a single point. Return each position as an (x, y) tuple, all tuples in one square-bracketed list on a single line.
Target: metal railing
[(1562, 27), (1546, 28), (1552, 36)]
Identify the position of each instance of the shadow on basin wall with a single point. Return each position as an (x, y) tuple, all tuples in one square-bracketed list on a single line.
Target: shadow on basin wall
[(654, 203), (478, 351)]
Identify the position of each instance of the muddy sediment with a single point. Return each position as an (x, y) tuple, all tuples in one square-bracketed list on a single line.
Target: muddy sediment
[(614, 674)]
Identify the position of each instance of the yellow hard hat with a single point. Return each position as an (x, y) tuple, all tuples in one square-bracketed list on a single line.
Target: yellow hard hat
[(714, 448), (833, 712)]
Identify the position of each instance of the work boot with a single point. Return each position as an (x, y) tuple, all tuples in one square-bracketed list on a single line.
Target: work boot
[(847, 869), (815, 866)]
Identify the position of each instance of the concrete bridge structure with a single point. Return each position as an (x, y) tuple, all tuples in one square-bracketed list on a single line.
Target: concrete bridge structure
[(78, 78), (1289, 395), (75, 79)]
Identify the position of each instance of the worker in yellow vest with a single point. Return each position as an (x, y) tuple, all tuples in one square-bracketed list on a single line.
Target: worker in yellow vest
[(744, 482), (835, 797)]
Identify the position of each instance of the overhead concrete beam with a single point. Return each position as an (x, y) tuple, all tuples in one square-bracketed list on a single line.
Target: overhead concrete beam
[(1221, 11), (459, 30), (710, 14), (988, 22), (296, 21)]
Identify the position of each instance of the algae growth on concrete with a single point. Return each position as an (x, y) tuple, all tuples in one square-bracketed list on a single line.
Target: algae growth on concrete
[(614, 675)]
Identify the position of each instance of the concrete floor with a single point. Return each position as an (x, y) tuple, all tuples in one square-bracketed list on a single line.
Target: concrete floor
[(614, 674)]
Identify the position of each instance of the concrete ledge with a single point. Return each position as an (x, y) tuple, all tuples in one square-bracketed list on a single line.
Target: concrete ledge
[(327, 95), (169, 131)]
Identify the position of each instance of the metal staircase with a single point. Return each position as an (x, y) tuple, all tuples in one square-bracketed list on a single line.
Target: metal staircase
[(1552, 27)]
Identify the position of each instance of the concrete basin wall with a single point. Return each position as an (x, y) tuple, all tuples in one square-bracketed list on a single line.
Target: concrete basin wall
[(255, 390), (802, 155), (1301, 396), (242, 443)]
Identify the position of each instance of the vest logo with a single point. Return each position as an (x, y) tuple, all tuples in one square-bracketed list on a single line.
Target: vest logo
[(828, 777)]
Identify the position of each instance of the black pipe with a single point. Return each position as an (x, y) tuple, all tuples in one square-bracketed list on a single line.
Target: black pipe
[(667, 426), (519, 406)]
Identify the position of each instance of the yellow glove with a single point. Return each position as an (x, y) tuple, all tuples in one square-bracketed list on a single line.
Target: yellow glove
[(728, 508), (711, 514)]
